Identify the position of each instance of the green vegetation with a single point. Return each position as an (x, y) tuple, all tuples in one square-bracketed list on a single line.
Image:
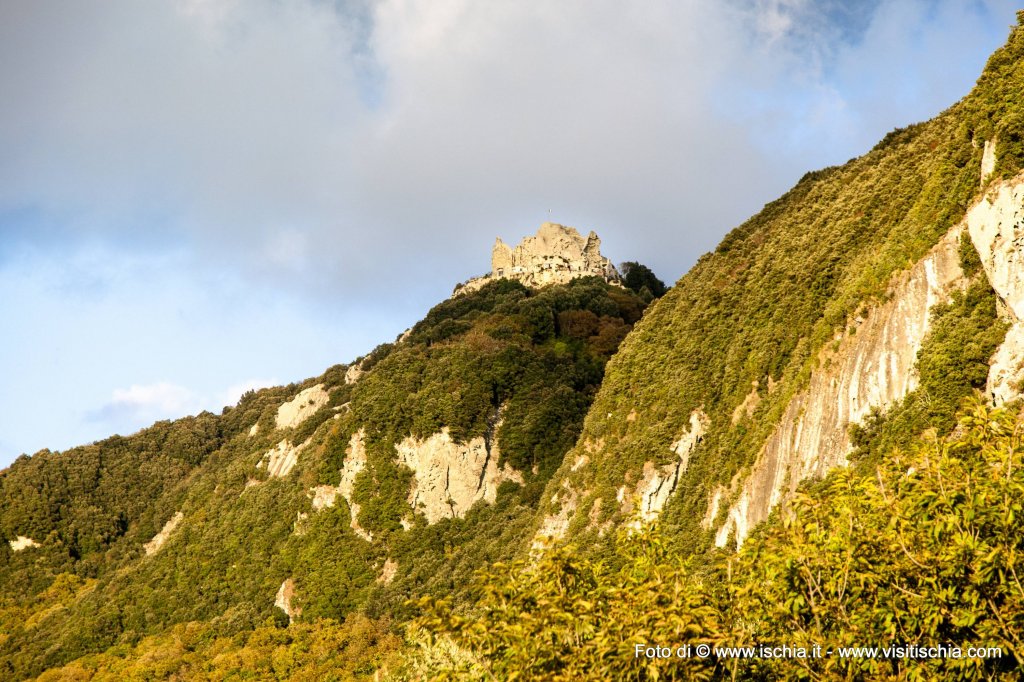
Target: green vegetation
[(919, 542), (639, 278), (775, 292), (927, 551), (515, 365)]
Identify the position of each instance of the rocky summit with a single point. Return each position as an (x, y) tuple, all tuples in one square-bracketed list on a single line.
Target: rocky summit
[(555, 255)]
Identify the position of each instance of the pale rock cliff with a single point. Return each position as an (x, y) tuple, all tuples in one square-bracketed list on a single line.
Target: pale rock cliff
[(388, 572), (301, 407), (996, 226), (354, 373), (659, 482), (988, 160), (283, 600), (22, 542), (554, 526), (355, 461), (873, 367), (282, 458), (450, 477), (154, 545), (555, 255)]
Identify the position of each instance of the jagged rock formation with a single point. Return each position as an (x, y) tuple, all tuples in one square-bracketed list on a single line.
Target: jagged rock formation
[(154, 545), (555, 255), (451, 477), (658, 483), (282, 458), (355, 461), (996, 226), (873, 367)]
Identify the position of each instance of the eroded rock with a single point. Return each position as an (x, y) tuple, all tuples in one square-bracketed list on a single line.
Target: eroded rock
[(283, 600), (451, 477), (323, 496), (21, 543), (301, 407), (996, 226), (555, 255), (872, 368), (282, 458), (657, 483), (158, 541)]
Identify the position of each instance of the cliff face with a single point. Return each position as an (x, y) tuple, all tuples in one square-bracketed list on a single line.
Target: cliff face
[(996, 226), (555, 255), (871, 366), (807, 320)]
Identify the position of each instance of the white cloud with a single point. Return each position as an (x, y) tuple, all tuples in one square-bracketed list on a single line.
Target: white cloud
[(231, 395), (302, 167), (141, 404)]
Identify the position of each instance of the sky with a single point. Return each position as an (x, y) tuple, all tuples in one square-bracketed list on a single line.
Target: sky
[(199, 197)]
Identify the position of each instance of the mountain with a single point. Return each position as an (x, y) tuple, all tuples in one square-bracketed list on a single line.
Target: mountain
[(377, 482), (811, 440)]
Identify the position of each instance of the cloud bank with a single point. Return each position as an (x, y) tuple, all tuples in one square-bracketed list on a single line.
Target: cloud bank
[(334, 168)]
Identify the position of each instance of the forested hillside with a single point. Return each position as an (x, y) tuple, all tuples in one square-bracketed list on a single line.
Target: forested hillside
[(741, 338), (257, 487), (812, 441)]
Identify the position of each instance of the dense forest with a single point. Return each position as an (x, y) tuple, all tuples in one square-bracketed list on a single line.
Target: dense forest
[(302, 549)]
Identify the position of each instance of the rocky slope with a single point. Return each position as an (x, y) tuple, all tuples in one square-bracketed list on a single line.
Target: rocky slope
[(807, 323)]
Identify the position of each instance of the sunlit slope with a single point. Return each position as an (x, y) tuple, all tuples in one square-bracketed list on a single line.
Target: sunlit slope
[(393, 477), (704, 412)]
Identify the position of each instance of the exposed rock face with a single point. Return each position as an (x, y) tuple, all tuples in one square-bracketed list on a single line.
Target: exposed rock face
[(450, 477), (355, 461), (988, 160), (301, 407), (353, 373), (749, 404), (22, 542), (554, 526), (282, 459), (996, 226), (872, 368), (154, 545), (388, 572), (658, 483), (283, 600), (555, 255)]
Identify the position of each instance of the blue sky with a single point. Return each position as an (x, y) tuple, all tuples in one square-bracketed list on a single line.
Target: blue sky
[(198, 197)]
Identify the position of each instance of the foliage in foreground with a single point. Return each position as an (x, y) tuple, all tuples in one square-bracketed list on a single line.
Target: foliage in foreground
[(355, 649), (929, 551)]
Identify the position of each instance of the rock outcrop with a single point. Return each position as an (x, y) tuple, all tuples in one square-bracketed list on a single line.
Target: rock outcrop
[(996, 226), (555, 255), (283, 600), (301, 407), (22, 542), (282, 458), (154, 545), (659, 482), (323, 496), (451, 477), (873, 367)]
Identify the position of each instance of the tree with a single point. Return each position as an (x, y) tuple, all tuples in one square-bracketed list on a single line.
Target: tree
[(636, 276)]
